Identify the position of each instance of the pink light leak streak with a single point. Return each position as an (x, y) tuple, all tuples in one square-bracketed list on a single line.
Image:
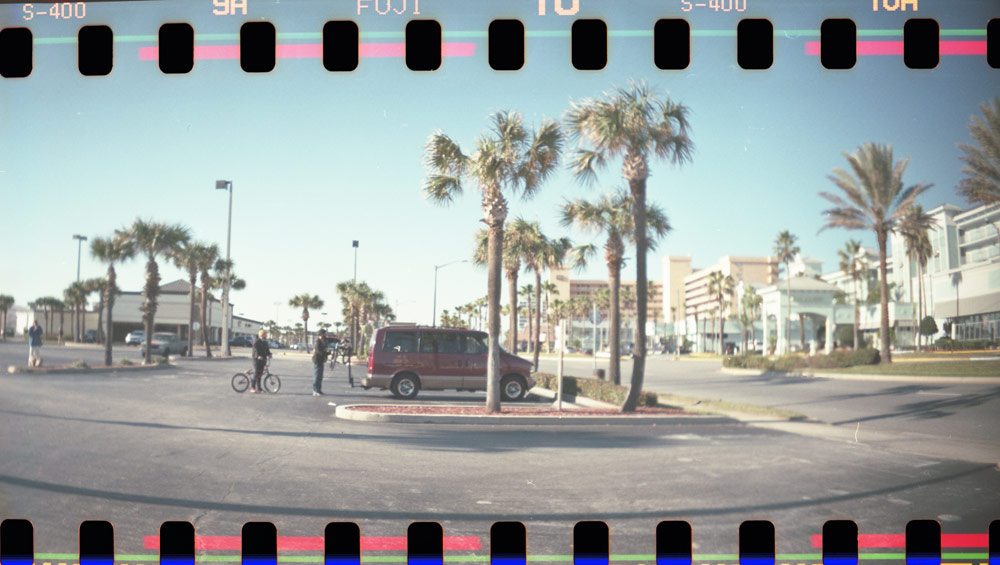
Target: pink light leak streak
[(887, 541), (313, 51), (896, 48), (315, 543)]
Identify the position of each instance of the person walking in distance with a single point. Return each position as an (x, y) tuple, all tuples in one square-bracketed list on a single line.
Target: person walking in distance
[(320, 353), (261, 353), (35, 345)]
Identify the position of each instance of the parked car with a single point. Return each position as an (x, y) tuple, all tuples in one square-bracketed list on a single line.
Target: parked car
[(298, 346), (241, 341), (408, 359), (166, 344), (274, 344), (135, 338), (90, 336)]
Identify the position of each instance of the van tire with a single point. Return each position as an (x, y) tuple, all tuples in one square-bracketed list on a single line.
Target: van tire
[(513, 388), (405, 386)]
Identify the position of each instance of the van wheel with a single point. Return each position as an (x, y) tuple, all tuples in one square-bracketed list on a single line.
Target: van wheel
[(513, 387), (406, 386)]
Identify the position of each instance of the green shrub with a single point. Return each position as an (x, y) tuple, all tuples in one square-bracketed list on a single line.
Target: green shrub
[(79, 364), (127, 362), (594, 389), (947, 344), (789, 363)]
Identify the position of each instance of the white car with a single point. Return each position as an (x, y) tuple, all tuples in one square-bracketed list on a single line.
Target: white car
[(135, 338)]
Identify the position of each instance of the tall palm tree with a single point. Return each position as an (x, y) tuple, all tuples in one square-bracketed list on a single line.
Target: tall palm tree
[(749, 311), (520, 237), (111, 250), (97, 284), (512, 158), (854, 265), (721, 287), (549, 288), (75, 295), (874, 198), (154, 240), (189, 256), (550, 254), (634, 124), (914, 228), (785, 250), (206, 261), (307, 302), (982, 164), (611, 216), (528, 293), (221, 267), (6, 301)]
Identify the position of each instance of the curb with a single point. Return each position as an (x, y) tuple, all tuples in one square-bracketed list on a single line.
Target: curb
[(345, 412), (15, 370), (868, 377)]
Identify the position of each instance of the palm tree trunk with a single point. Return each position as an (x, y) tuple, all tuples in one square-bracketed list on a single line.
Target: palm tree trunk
[(493, 290), (531, 328), (538, 317), (909, 282), (885, 354), (204, 316), (614, 323), (802, 332), (920, 304), (722, 333), (638, 189), (61, 326), (149, 305), (190, 350), (857, 314), (512, 315), (109, 300)]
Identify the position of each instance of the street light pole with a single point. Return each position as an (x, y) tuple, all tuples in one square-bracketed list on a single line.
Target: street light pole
[(436, 268), (79, 244), (354, 282), (226, 185)]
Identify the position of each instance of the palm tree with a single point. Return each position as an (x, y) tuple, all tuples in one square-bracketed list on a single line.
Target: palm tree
[(97, 284), (721, 287), (611, 216), (6, 301), (76, 296), (549, 288), (189, 256), (749, 312), (914, 227), (510, 157), (111, 250), (528, 292), (877, 200), (785, 249), (854, 265), (634, 124), (206, 261), (307, 302), (982, 164), (154, 239)]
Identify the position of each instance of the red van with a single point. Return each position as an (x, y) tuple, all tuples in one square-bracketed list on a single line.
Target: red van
[(408, 358)]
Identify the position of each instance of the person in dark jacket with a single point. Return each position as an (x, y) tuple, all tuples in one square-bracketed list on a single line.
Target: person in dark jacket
[(261, 353), (320, 353)]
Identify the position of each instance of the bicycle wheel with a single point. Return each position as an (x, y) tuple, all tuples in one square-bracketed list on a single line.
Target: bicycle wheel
[(271, 383), (241, 382)]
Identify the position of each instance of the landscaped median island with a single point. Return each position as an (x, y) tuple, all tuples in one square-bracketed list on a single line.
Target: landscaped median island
[(865, 362), (83, 367)]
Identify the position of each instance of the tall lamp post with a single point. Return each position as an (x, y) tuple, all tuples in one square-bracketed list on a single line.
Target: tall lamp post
[(436, 268), (354, 344), (226, 185), (79, 244)]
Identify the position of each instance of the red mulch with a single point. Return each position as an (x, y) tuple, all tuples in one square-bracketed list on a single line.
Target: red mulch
[(514, 411)]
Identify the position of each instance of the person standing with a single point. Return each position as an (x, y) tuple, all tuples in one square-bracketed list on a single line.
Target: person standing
[(34, 345), (261, 353), (320, 353)]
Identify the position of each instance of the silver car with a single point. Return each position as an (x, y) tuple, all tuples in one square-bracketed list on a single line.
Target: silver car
[(166, 344)]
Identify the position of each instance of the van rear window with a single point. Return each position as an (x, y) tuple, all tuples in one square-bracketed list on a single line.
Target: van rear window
[(400, 342)]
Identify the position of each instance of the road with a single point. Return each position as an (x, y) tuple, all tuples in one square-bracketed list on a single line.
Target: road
[(179, 444), (952, 420)]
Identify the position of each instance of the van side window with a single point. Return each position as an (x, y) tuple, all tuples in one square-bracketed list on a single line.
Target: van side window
[(426, 342), (400, 342), (450, 343), (475, 344)]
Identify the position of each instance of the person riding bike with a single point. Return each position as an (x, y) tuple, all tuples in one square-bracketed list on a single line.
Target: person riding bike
[(261, 354)]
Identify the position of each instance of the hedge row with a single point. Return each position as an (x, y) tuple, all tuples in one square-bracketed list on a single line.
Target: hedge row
[(785, 363), (596, 389), (948, 344)]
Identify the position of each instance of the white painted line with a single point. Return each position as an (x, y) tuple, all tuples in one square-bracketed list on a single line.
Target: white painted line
[(927, 393)]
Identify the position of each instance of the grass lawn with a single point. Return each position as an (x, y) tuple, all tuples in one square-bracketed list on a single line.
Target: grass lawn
[(952, 368)]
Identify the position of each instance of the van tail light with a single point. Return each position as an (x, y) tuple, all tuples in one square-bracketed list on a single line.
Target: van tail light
[(371, 360)]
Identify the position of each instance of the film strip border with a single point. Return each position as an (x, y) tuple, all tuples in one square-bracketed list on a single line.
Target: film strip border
[(423, 48), (425, 544)]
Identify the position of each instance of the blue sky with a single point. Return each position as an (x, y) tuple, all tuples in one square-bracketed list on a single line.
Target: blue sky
[(320, 159)]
